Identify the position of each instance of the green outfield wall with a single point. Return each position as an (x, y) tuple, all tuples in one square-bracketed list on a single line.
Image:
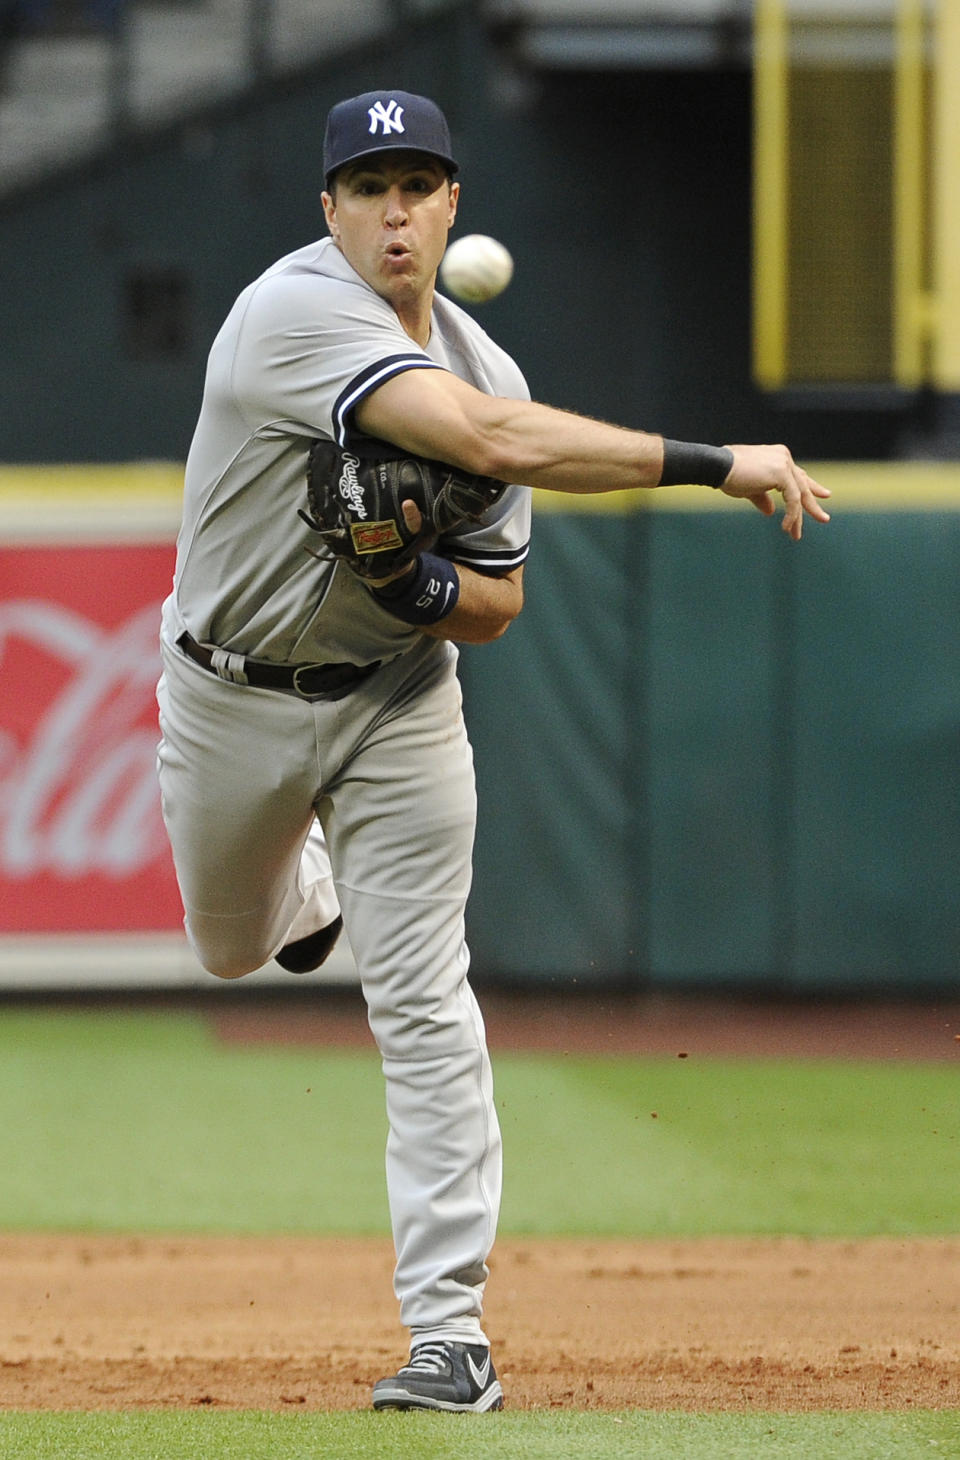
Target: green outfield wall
[(707, 755), (711, 756)]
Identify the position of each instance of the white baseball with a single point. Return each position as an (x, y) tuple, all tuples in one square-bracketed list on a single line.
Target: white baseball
[(476, 268)]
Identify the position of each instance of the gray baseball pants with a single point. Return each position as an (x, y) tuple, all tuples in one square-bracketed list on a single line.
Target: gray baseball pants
[(244, 775)]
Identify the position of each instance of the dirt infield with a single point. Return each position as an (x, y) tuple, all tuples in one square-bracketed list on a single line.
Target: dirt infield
[(128, 1323), (642, 1024), (107, 1323)]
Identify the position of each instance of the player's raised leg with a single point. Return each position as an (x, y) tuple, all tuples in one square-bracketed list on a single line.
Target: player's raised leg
[(238, 819)]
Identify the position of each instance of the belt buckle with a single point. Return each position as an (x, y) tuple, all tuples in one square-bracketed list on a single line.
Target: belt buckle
[(306, 694)]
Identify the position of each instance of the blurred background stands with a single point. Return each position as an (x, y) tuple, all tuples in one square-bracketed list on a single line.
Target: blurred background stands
[(79, 74)]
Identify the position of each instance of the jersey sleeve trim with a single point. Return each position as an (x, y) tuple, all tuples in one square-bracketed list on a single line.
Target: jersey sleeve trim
[(492, 561), (368, 379)]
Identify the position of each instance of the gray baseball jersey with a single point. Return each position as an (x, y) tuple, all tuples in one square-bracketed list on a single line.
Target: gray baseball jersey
[(281, 810), (301, 347)]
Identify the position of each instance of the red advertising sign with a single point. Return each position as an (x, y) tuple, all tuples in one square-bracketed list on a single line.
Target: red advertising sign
[(82, 844)]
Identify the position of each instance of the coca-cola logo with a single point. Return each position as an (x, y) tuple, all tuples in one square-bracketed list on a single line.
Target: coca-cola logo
[(78, 785)]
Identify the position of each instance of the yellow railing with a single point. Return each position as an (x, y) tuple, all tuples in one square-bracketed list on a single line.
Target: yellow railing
[(913, 316), (924, 189), (770, 200), (946, 196)]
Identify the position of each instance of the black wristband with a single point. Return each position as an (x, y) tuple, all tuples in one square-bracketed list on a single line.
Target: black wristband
[(426, 596), (685, 463)]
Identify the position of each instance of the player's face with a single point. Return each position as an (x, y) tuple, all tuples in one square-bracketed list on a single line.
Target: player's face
[(391, 216)]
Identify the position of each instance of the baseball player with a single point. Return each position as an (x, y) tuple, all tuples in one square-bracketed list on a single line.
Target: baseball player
[(352, 510)]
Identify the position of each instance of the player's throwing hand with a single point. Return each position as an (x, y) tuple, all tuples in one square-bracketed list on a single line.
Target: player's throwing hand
[(759, 470)]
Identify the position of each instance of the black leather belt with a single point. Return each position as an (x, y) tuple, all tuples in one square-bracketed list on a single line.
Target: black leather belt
[(310, 681)]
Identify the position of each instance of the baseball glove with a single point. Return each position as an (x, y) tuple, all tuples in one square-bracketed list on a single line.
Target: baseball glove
[(354, 504)]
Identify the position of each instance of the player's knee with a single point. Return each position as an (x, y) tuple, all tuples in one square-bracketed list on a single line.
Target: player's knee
[(228, 963), (225, 970), (229, 948), (228, 972)]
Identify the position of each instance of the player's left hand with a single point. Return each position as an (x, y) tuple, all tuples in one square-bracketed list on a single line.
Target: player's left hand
[(413, 518), (758, 471), (376, 513)]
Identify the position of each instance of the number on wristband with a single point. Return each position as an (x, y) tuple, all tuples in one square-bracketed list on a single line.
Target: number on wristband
[(425, 598)]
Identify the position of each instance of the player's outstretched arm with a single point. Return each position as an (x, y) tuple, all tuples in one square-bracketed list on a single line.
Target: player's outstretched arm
[(433, 413)]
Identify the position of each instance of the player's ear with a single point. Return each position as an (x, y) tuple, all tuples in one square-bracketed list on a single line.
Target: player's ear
[(330, 213), (454, 199)]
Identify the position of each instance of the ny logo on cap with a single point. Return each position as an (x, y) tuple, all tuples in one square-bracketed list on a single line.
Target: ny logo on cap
[(389, 118)]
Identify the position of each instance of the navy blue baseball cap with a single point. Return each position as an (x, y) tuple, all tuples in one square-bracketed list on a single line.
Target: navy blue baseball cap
[(385, 121)]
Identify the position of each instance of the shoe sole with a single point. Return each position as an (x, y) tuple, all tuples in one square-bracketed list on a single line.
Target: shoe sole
[(400, 1398)]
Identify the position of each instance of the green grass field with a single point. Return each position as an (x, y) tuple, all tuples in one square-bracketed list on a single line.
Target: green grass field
[(162, 1128), (143, 1122), (639, 1436)]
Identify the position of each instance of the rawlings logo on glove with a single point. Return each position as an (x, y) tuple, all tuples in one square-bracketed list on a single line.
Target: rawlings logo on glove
[(355, 505), (348, 486)]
